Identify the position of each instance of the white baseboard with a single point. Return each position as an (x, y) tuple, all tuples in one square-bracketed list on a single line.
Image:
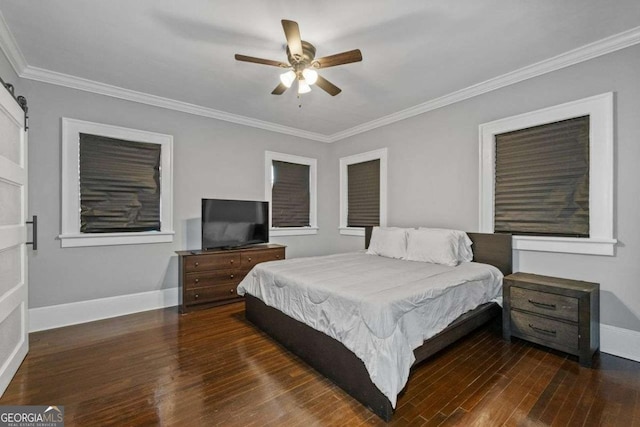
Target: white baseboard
[(620, 342), (56, 316)]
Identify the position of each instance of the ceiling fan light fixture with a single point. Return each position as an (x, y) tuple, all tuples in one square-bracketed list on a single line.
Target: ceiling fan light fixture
[(310, 75), (288, 78), (303, 86)]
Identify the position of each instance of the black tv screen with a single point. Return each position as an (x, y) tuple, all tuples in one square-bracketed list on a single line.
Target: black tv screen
[(234, 223)]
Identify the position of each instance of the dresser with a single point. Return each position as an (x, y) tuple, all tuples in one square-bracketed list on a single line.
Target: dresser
[(211, 278), (558, 313)]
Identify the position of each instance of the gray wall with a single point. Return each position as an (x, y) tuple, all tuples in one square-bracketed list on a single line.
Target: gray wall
[(433, 172), (212, 159)]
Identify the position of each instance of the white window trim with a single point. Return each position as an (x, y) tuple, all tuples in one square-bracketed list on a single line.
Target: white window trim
[(269, 157), (600, 111), (381, 155), (71, 235)]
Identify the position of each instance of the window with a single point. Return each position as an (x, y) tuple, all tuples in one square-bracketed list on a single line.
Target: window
[(363, 191), (547, 177), (119, 185), (542, 180), (290, 187), (116, 185), (363, 194), (290, 195)]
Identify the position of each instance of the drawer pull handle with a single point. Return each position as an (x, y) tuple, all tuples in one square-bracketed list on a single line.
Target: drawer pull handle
[(249, 259), (542, 304), (277, 256), (544, 331), (231, 276), (197, 280), (196, 296), (197, 264), (231, 290)]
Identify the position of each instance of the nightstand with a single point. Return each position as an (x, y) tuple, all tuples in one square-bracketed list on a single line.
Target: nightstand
[(558, 313)]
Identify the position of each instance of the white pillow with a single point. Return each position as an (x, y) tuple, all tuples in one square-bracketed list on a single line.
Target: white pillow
[(388, 242), (433, 245), (464, 251), (436, 246)]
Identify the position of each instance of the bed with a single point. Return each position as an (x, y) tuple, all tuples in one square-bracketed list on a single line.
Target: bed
[(337, 362)]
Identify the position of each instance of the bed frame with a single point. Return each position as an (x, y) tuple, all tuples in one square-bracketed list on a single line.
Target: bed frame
[(333, 360)]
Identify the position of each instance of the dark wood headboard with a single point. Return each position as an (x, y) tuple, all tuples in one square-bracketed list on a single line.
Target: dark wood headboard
[(493, 249), (488, 248)]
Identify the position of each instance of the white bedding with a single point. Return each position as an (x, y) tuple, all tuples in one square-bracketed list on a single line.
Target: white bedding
[(379, 308)]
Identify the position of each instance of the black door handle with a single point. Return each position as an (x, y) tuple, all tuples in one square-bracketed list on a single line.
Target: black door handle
[(34, 241)]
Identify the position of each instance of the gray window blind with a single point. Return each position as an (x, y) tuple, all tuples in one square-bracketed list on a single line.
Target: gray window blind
[(363, 194), (542, 180), (290, 195), (119, 185)]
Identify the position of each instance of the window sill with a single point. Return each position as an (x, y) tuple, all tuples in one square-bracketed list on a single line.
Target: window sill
[(110, 239), (352, 231), (589, 246), (292, 231)]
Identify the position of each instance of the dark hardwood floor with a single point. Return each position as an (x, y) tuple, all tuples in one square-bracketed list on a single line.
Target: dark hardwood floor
[(214, 368)]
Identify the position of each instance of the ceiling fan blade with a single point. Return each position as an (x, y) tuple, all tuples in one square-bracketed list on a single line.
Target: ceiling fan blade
[(340, 58), (245, 58), (327, 86), (279, 90), (292, 33)]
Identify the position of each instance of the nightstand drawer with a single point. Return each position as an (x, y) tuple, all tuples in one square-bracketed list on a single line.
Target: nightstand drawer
[(548, 304), (553, 332)]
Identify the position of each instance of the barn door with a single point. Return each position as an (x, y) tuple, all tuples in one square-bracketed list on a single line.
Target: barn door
[(13, 233)]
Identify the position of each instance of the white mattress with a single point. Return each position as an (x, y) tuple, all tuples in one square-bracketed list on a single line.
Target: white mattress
[(379, 308)]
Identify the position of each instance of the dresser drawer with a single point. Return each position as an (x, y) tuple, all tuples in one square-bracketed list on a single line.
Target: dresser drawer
[(209, 262), (553, 332), (216, 277), (249, 259), (553, 305), (212, 293)]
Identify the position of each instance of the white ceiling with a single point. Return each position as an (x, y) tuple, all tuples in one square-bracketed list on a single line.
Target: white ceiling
[(414, 50)]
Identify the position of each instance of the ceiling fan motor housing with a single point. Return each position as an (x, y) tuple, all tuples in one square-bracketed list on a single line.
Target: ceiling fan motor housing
[(308, 54)]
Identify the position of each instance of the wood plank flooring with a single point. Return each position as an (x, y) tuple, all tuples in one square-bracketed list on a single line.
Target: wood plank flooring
[(214, 368)]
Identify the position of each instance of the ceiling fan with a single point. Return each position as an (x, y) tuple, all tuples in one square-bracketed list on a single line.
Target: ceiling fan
[(302, 63)]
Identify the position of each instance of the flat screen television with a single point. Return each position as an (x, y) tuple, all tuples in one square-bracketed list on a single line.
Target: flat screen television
[(228, 224)]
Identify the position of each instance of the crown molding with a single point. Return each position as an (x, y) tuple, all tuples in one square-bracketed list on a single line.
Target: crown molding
[(572, 57), (73, 82), (10, 47), (584, 53)]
